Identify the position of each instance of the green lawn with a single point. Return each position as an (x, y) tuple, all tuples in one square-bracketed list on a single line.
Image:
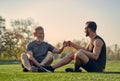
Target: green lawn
[(13, 72)]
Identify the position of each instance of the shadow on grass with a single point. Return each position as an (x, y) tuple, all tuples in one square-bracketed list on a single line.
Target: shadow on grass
[(111, 72), (56, 72), (88, 72)]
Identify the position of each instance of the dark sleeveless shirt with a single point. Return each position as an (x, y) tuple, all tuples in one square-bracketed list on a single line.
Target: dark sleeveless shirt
[(102, 56)]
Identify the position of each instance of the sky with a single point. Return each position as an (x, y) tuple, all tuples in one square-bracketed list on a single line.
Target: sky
[(65, 19)]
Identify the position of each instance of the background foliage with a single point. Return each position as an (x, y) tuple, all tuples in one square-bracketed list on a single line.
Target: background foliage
[(13, 41)]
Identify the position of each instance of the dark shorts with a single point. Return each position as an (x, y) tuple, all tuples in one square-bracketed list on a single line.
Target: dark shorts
[(92, 66)]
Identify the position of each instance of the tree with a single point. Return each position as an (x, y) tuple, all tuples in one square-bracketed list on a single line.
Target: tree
[(2, 30), (110, 53), (11, 47), (15, 40), (113, 52), (117, 51), (24, 29)]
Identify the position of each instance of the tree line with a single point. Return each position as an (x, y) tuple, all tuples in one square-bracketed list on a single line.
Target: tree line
[(13, 41)]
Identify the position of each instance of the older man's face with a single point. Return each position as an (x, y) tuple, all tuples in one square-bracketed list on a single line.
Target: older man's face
[(40, 34)]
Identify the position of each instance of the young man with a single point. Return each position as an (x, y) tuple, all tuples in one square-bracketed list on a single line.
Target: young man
[(37, 53), (92, 57)]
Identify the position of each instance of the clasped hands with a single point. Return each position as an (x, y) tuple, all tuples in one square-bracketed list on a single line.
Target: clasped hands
[(67, 43)]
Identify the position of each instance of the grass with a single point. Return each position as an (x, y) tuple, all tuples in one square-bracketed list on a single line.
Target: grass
[(13, 72)]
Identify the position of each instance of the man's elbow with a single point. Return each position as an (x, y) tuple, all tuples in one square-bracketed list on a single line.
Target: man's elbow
[(30, 58), (96, 58), (57, 51)]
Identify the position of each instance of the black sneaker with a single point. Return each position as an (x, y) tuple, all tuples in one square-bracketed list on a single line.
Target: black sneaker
[(72, 70), (45, 69), (25, 70), (33, 69)]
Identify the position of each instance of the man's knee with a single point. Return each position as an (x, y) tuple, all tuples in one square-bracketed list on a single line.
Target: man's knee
[(82, 56), (79, 53), (48, 60), (49, 57), (23, 56)]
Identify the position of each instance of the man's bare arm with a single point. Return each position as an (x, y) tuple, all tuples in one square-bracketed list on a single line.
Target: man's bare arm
[(30, 57), (96, 51)]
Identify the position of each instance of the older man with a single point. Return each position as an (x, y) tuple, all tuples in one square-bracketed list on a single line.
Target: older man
[(37, 53)]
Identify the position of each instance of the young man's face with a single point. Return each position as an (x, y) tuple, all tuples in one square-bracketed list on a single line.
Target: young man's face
[(87, 30)]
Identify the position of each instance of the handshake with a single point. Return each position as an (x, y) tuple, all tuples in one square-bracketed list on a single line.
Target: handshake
[(67, 43)]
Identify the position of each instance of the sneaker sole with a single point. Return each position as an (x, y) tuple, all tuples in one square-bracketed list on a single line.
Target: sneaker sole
[(46, 70)]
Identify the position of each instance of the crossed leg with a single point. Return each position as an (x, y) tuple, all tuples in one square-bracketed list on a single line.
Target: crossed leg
[(27, 63)]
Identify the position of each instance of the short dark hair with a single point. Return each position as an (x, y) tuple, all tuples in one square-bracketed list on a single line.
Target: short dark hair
[(39, 28), (92, 25)]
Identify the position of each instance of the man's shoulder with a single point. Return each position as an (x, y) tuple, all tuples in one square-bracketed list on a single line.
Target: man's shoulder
[(31, 43), (98, 37), (46, 43)]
